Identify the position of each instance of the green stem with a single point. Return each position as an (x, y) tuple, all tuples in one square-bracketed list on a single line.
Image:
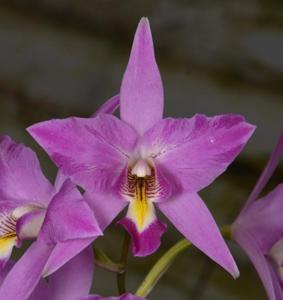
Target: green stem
[(165, 261), (161, 267), (121, 276), (103, 261)]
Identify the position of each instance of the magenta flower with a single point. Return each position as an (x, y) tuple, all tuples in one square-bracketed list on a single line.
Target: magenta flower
[(143, 161), (122, 297), (24, 196), (259, 230), (30, 208), (64, 284), (69, 226), (24, 191)]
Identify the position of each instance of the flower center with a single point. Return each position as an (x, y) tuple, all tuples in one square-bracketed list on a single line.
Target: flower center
[(8, 236), (140, 190), (8, 223), (276, 254)]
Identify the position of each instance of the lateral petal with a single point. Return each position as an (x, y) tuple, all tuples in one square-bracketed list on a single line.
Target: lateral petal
[(65, 284), (197, 150), (21, 178), (141, 93), (63, 252), (68, 217), (92, 151), (192, 218), (26, 272)]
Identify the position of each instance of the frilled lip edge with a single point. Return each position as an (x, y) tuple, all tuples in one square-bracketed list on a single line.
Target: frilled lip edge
[(147, 241)]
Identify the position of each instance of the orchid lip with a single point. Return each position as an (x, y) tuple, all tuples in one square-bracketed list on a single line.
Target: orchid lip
[(141, 189), (8, 236), (8, 225), (141, 182)]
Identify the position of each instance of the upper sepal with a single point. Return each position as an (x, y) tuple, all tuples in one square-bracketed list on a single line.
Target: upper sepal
[(141, 94)]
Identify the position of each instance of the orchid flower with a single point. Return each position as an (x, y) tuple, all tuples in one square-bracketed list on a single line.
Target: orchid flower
[(122, 297), (69, 225), (25, 194), (24, 191), (259, 229), (144, 161), (65, 284)]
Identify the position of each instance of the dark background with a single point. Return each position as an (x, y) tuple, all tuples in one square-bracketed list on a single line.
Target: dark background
[(65, 57)]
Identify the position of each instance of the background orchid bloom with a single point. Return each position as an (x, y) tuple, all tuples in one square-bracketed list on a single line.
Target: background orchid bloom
[(144, 161), (259, 229), (24, 196), (65, 284), (69, 225), (25, 192), (122, 297)]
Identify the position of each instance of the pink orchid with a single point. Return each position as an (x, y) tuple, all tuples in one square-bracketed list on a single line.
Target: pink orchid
[(30, 208), (259, 229), (146, 162)]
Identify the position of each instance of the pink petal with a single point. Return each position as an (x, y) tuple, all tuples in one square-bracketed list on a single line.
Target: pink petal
[(267, 172), (65, 284), (108, 107), (21, 178), (192, 218), (93, 152), (5, 271), (141, 92), (68, 217), (276, 282), (195, 151), (263, 219), (249, 245), (59, 180), (63, 252), (26, 273), (105, 206)]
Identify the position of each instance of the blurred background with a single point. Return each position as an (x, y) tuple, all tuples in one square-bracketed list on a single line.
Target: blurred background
[(66, 57)]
